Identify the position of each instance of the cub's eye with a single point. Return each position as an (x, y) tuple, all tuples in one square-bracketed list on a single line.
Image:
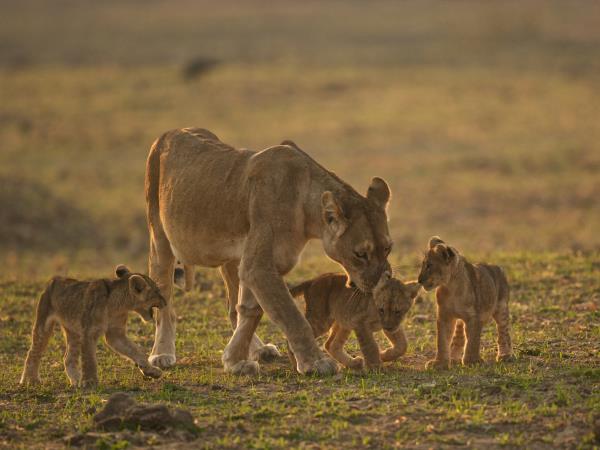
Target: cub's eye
[(381, 311), (398, 313), (361, 255)]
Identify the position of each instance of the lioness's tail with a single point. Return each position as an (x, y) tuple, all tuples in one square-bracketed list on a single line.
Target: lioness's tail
[(42, 330), (151, 182)]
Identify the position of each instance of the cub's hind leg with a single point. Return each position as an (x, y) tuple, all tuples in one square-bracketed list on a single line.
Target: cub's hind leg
[(42, 330), (502, 319), (457, 347), (72, 357)]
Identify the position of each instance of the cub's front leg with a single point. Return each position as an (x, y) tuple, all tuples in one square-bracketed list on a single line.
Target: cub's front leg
[(335, 347), (117, 339), (89, 365), (399, 345), (473, 331), (445, 327), (368, 347)]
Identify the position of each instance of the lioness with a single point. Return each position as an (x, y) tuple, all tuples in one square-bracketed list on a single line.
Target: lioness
[(468, 295), (86, 310), (251, 214), (330, 305)]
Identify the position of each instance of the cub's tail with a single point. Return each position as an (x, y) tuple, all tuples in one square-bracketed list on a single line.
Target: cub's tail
[(300, 289)]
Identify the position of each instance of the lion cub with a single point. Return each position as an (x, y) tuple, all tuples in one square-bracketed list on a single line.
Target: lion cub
[(87, 310), (468, 295), (334, 307)]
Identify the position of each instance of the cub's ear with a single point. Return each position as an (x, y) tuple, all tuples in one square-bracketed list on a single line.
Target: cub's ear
[(137, 284), (290, 143), (122, 270), (379, 192), (333, 215), (413, 288), (435, 240), (448, 253)]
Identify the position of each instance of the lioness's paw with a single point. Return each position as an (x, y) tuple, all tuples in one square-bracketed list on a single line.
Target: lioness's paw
[(321, 367), (163, 361), (506, 358), (266, 353), (29, 380), (438, 364), (243, 367), (356, 363), (151, 371), (472, 361), (90, 383)]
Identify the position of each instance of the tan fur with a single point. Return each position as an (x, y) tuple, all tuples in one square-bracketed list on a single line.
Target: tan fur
[(468, 295), (251, 214), (87, 310), (330, 305)]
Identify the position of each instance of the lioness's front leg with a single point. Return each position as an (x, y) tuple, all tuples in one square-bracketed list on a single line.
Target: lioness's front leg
[(399, 345), (120, 343)]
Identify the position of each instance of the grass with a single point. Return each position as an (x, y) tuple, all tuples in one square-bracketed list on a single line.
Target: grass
[(482, 116), (549, 397)]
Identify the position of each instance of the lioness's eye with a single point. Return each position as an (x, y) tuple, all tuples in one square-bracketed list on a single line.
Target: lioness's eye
[(360, 255)]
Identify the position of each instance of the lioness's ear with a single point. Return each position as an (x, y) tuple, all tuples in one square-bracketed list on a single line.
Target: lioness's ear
[(333, 215), (435, 240), (379, 192), (413, 288), (137, 284), (121, 270)]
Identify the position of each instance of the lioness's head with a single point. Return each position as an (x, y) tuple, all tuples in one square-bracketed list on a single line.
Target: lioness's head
[(437, 264), (356, 232), (393, 299), (144, 294)]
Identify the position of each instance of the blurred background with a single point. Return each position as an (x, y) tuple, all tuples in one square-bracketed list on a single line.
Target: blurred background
[(482, 116)]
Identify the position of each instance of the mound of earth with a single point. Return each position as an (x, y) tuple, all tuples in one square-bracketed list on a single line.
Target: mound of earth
[(124, 419)]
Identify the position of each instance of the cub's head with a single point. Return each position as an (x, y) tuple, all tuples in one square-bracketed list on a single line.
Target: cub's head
[(355, 232), (437, 264), (143, 293), (393, 299)]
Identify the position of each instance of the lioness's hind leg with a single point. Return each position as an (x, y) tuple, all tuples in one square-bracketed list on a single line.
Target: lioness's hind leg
[(72, 356), (161, 271), (258, 350), (457, 347)]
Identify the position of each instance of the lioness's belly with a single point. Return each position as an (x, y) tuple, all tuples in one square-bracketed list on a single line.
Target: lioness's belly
[(204, 202)]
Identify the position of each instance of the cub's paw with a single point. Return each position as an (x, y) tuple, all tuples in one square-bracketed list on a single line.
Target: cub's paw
[(243, 367), (438, 364), (390, 355), (472, 361), (163, 361), (266, 353), (151, 371), (356, 363), (506, 358), (321, 367)]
